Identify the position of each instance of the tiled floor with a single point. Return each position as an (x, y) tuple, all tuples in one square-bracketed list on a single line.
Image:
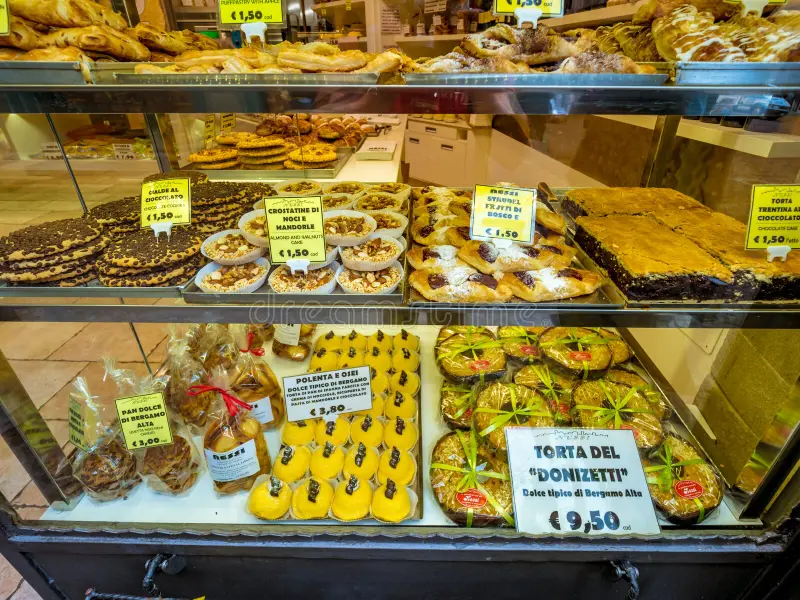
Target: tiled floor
[(48, 356)]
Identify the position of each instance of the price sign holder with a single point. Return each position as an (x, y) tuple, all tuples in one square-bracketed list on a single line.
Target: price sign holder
[(237, 12), (578, 482), (209, 130), (316, 395), (166, 202), (774, 220), (5, 24), (124, 152), (503, 213), (51, 150), (548, 8), (295, 229), (75, 424), (227, 121), (144, 421)]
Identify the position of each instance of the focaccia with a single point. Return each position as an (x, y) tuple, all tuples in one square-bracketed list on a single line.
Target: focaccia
[(488, 258), (548, 285), (99, 38), (458, 284), (21, 35), (67, 13)]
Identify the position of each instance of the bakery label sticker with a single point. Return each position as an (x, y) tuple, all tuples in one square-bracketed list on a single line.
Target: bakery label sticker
[(209, 130), (227, 121), (5, 27), (578, 482), (549, 8), (262, 410), (124, 152), (774, 217), (236, 12), (167, 200), (295, 229), (75, 424), (327, 394), (287, 334), (502, 213), (144, 421), (234, 464)]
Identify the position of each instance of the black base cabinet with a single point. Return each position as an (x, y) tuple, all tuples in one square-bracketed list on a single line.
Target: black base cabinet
[(375, 566)]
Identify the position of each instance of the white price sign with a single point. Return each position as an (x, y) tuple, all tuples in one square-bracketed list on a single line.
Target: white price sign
[(124, 152), (328, 393), (51, 151), (578, 481)]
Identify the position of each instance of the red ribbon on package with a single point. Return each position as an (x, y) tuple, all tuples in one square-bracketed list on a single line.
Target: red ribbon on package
[(232, 403), (250, 349)]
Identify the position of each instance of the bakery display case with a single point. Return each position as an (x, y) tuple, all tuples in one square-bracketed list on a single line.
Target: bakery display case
[(349, 280)]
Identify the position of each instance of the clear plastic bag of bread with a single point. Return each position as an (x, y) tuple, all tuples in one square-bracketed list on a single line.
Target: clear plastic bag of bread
[(172, 468), (106, 469), (293, 341), (234, 445), (213, 346), (252, 380), (261, 334), (184, 371)]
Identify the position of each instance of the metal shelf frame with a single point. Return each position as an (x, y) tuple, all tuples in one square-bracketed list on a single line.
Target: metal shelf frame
[(474, 99)]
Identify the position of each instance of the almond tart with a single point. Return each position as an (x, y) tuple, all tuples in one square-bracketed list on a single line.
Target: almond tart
[(316, 281), (347, 227), (373, 255), (384, 281)]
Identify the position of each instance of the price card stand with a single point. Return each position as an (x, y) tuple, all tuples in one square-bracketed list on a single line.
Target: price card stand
[(159, 228), (166, 203), (528, 11), (296, 235), (328, 393), (578, 482), (503, 214), (233, 13)]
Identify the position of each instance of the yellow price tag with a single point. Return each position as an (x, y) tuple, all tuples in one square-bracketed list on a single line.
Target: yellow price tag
[(144, 421), (323, 12), (5, 27), (549, 8), (772, 2), (75, 424), (348, 5), (503, 213), (295, 229), (227, 121), (235, 12), (167, 200), (774, 217)]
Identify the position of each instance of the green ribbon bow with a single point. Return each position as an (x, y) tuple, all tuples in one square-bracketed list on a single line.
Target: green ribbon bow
[(592, 339), (551, 390), (614, 411), (464, 401), (504, 416), (670, 472), (471, 474)]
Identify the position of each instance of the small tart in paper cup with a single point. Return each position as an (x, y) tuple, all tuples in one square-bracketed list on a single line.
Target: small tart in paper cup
[(269, 499), (333, 251), (352, 188), (225, 256), (338, 202), (207, 283), (362, 465), (312, 499), (316, 281), (390, 223), (347, 227), (373, 202), (397, 465), (253, 226), (372, 255), (393, 503), (401, 190), (363, 282), (298, 187), (352, 500)]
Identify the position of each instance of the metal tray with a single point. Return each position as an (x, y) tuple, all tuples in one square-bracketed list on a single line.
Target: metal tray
[(264, 295), (530, 79), (93, 289), (338, 79), (719, 73), (344, 155), (41, 73)]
